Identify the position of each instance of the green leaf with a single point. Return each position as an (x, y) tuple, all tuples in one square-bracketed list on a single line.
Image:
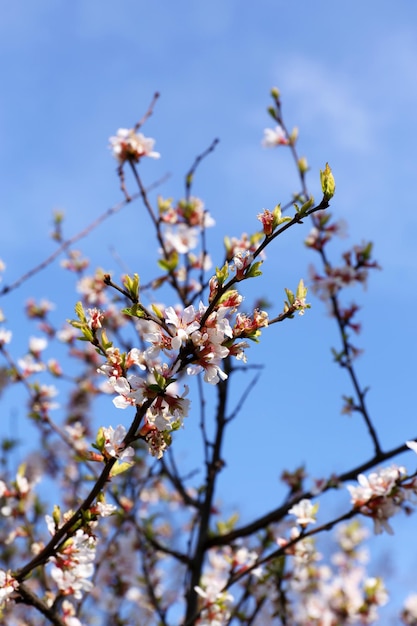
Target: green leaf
[(132, 286), (328, 184), (290, 296), (306, 206), (134, 311), (301, 290), (254, 270), (278, 217), (169, 264), (88, 334), (222, 273), (119, 467), (100, 440), (104, 340), (79, 311), (228, 525)]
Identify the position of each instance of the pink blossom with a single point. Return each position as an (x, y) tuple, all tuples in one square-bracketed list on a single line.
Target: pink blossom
[(95, 318), (379, 496), (93, 288), (37, 345), (241, 261), (184, 324), (76, 431), (131, 391), (73, 565), (114, 446), (216, 604), (305, 512), (7, 586), (29, 365), (69, 612), (181, 238), (103, 509), (274, 137), (5, 336), (128, 145)]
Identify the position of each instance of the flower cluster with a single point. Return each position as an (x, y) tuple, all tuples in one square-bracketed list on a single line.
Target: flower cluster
[(356, 262), (305, 512), (382, 494), (114, 444), (134, 563), (324, 229), (338, 593), (119, 566), (128, 145), (193, 339), (215, 600), (243, 247), (182, 225), (17, 499), (188, 211), (73, 565), (216, 604), (7, 587)]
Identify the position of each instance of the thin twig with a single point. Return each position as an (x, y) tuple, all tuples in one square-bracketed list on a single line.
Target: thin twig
[(65, 245), (148, 112), (189, 177), (279, 513)]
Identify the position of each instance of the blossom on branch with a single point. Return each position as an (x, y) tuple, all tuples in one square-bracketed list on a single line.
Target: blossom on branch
[(184, 324), (275, 137), (182, 238), (114, 446), (305, 512), (5, 336), (127, 145), (131, 391), (7, 586), (72, 566), (190, 211), (338, 593), (380, 496)]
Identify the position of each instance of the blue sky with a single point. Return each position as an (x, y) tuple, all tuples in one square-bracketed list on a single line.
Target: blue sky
[(73, 73)]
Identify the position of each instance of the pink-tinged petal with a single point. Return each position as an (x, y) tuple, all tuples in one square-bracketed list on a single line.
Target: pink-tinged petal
[(121, 386), (122, 403)]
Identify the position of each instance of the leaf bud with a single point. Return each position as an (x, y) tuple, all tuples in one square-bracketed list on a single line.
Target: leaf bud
[(293, 135), (302, 165), (328, 184), (272, 113), (56, 515)]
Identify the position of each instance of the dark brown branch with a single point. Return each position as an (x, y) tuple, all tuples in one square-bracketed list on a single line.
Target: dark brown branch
[(347, 364), (297, 219), (68, 528), (65, 245), (189, 177), (212, 471), (31, 599), (148, 112), (279, 513), (281, 551)]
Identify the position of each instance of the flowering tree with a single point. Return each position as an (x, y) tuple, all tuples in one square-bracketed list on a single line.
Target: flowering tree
[(125, 537)]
